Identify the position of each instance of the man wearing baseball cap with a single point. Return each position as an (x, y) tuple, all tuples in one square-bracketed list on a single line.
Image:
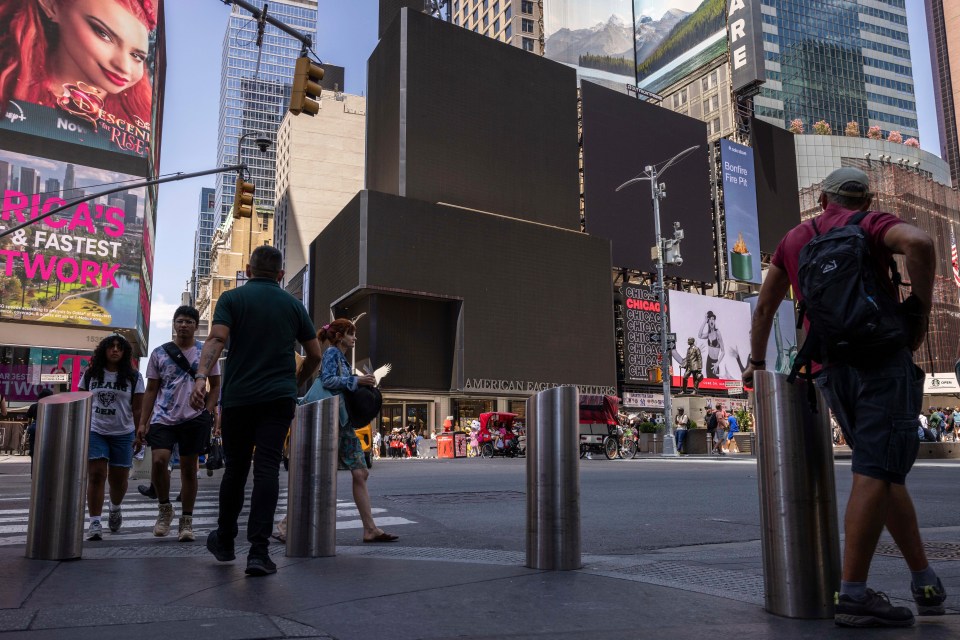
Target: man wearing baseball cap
[(877, 406)]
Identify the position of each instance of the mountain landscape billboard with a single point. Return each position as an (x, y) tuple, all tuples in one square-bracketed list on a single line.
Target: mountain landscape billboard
[(595, 37), (672, 37)]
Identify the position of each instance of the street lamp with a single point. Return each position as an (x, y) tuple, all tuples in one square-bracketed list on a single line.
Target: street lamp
[(667, 251), (263, 143)]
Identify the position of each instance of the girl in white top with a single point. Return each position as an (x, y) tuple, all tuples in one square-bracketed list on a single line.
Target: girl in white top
[(117, 398)]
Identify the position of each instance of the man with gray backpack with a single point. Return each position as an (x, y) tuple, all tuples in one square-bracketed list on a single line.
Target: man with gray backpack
[(859, 349)]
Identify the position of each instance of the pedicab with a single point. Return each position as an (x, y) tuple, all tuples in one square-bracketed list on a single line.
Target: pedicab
[(497, 435), (600, 430)]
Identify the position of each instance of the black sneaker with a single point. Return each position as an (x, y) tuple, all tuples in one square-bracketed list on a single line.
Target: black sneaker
[(220, 551), (260, 566), (874, 611), (929, 599), (147, 491)]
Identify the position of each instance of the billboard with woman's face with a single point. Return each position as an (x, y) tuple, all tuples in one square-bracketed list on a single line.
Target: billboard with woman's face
[(80, 71), (720, 328)]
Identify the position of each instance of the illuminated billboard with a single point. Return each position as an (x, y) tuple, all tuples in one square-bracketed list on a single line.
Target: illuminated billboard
[(641, 319), (80, 267), (80, 72), (740, 210), (595, 37), (673, 37), (720, 328), (782, 344)]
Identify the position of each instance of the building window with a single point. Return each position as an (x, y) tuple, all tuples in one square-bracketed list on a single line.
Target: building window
[(508, 32), (528, 44), (508, 12), (496, 7), (526, 6), (486, 22), (456, 6), (680, 98), (715, 127), (526, 25)]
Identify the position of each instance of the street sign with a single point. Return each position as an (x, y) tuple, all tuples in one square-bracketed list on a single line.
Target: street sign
[(54, 377), (655, 337), (734, 391), (671, 337), (732, 383)]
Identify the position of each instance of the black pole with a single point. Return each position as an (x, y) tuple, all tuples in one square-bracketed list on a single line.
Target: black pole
[(125, 187), (262, 15)]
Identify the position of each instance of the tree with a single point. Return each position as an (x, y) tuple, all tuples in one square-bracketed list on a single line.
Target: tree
[(796, 126), (822, 128), (852, 129), (874, 133), (895, 137)]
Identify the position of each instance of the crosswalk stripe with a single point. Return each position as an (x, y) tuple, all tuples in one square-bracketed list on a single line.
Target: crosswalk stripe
[(139, 517)]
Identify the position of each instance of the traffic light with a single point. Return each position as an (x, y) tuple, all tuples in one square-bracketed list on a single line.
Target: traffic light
[(243, 200), (306, 87)]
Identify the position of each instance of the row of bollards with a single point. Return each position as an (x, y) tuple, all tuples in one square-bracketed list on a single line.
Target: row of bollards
[(796, 483)]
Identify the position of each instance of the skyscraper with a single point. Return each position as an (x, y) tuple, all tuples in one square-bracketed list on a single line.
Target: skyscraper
[(4, 177), (52, 187), (206, 222), (254, 98), (838, 61), (28, 181), (943, 25), (516, 22)]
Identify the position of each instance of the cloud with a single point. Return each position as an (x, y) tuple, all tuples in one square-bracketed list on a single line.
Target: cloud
[(161, 320)]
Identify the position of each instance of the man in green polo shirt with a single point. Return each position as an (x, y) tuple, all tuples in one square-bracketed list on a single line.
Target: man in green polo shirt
[(262, 323)]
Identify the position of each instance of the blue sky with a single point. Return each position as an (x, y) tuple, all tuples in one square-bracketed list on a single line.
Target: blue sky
[(346, 35)]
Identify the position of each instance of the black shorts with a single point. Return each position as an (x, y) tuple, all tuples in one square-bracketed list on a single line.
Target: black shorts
[(192, 436), (878, 410)]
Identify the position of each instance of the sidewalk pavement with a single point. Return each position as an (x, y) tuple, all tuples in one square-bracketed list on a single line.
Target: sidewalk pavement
[(170, 590)]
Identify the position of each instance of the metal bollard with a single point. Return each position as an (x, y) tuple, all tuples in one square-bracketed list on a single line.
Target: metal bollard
[(59, 484), (312, 480), (553, 480), (798, 500)]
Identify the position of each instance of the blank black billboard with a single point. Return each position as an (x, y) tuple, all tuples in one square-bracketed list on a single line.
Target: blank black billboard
[(459, 118), (778, 193), (621, 136), (464, 300)]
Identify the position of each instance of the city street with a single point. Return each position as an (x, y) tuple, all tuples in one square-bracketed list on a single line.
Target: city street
[(670, 535)]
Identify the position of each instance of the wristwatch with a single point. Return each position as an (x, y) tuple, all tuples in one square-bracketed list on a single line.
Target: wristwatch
[(757, 363)]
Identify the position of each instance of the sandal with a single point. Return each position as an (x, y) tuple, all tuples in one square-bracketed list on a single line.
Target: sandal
[(382, 537)]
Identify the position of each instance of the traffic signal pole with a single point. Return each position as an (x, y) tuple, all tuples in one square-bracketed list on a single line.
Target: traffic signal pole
[(262, 16), (125, 187)]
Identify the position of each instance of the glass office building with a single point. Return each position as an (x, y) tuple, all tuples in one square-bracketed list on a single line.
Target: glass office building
[(206, 221), (255, 99), (839, 61)]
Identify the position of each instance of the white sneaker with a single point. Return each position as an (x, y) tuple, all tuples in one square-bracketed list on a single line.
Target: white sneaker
[(186, 529), (164, 518), (95, 532)]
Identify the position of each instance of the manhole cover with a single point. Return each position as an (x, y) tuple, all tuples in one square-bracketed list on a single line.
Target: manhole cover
[(458, 498), (935, 550)]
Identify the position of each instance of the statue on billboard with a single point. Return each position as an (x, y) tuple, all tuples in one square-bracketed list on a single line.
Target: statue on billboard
[(692, 366)]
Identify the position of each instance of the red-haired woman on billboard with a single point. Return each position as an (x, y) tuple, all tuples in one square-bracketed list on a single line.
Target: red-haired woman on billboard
[(83, 55)]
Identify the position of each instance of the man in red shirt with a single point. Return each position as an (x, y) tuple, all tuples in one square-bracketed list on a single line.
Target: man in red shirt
[(877, 407)]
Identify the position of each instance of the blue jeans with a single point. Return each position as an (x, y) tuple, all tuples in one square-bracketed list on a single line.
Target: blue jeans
[(681, 436)]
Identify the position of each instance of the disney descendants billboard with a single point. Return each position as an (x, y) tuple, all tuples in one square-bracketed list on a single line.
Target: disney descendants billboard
[(81, 71), (82, 266)]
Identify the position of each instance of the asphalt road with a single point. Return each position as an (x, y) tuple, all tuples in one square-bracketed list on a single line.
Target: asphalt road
[(627, 506)]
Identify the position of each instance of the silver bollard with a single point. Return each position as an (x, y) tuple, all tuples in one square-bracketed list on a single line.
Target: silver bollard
[(312, 481), (59, 484), (798, 500), (553, 480)]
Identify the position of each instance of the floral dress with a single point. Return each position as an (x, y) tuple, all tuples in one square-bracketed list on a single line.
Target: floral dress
[(334, 378)]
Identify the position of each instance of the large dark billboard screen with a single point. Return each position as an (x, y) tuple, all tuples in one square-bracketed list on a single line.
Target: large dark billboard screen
[(621, 136), (778, 196)]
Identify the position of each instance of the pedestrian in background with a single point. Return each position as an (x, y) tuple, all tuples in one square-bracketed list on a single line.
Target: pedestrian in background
[(876, 395), (262, 323), (682, 422), (335, 378), (169, 421), (117, 399)]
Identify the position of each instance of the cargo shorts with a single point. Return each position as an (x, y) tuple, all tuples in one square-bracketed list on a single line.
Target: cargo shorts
[(878, 411)]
